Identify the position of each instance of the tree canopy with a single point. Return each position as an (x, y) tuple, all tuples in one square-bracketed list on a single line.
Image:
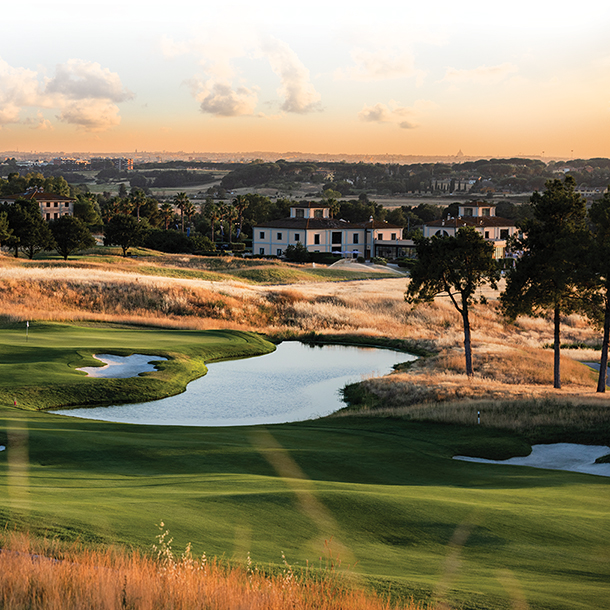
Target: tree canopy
[(456, 266), (551, 275)]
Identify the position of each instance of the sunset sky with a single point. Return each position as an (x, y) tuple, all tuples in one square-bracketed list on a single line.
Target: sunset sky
[(489, 78)]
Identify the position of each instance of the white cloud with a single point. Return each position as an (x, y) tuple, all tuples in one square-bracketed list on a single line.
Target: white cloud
[(300, 96), (80, 80), (19, 88), (84, 93), (221, 100), (380, 64), (91, 114), (482, 74), (405, 117)]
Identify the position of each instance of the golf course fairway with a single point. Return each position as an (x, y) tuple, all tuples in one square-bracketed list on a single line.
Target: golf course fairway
[(382, 495)]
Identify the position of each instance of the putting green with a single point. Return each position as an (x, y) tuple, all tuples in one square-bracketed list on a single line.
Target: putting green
[(386, 493), (40, 371)]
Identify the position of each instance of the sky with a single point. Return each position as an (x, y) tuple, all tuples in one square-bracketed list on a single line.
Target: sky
[(526, 77)]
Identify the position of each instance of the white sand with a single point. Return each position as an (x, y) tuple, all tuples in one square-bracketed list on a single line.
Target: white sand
[(121, 367), (559, 456)]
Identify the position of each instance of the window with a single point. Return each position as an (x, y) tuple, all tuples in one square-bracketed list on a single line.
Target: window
[(336, 237), (318, 213), (380, 236), (55, 204), (299, 213), (485, 212), (261, 235), (261, 250), (55, 215), (67, 204), (297, 237), (279, 236), (393, 237), (486, 234), (467, 211), (279, 252), (503, 233), (48, 216), (48, 204), (316, 238), (356, 236)]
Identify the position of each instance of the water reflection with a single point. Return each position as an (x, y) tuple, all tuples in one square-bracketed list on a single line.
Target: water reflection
[(294, 383)]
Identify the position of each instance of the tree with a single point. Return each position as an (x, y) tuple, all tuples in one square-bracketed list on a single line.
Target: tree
[(599, 213), (125, 231), (166, 211), (456, 266), (5, 229), (31, 233), (181, 200), (240, 203), (86, 208), (551, 275), (138, 199), (71, 235)]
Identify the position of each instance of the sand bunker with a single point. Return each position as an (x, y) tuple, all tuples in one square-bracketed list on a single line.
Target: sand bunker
[(559, 456), (121, 367)]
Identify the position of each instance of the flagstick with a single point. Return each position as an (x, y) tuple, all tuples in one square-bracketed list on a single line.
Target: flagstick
[(27, 330)]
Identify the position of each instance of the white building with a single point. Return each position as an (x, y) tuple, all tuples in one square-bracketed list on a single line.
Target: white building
[(52, 206), (481, 216), (310, 224)]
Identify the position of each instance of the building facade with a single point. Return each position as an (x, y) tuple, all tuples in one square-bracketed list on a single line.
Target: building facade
[(482, 217), (310, 224), (52, 206)]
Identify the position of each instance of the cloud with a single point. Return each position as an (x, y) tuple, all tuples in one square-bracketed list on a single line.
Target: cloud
[(84, 94), (39, 123), (79, 80), (19, 88), (482, 74), (381, 64), (379, 113), (91, 114), (221, 100), (404, 117), (300, 96)]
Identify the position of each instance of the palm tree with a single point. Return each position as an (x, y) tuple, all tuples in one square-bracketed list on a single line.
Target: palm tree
[(166, 211), (211, 210), (181, 199), (189, 210), (240, 203), (138, 199)]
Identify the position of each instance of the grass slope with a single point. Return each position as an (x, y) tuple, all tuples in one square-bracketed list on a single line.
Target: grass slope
[(386, 491), (40, 372)]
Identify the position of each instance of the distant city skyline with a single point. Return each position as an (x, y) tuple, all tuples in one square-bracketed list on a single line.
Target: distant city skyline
[(487, 79)]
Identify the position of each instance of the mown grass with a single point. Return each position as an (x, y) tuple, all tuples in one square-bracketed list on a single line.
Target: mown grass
[(39, 371), (397, 508)]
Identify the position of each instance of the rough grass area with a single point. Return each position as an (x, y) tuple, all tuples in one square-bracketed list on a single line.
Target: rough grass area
[(42, 574)]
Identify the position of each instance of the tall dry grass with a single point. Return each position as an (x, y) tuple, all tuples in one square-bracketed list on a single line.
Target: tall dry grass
[(509, 359), (44, 575)]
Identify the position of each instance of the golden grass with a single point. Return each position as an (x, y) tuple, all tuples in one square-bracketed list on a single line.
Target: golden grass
[(45, 575), (508, 358)]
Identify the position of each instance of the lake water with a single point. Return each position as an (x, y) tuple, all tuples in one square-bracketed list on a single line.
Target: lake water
[(294, 383)]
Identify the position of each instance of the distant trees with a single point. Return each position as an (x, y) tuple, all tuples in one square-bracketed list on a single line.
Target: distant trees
[(29, 232), (456, 266)]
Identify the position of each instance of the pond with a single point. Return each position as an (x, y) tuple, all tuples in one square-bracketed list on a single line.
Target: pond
[(294, 383)]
